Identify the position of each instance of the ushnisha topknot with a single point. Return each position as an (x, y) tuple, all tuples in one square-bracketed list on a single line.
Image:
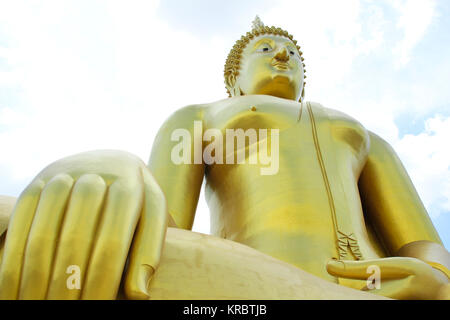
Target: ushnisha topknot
[(232, 64)]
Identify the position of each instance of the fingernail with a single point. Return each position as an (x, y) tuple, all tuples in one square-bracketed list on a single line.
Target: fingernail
[(147, 272), (145, 275)]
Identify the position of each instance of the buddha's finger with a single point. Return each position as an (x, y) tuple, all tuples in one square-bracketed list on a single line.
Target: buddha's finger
[(389, 268), (43, 237), (148, 240), (111, 246), (16, 239), (77, 237)]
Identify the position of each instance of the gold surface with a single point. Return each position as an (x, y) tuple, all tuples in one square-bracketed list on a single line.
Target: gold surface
[(208, 267), (440, 267), (341, 202)]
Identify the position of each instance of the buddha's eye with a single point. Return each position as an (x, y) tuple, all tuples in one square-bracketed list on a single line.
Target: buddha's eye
[(291, 53), (265, 48)]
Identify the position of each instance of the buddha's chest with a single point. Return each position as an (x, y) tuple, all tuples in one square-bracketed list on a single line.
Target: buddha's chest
[(299, 129)]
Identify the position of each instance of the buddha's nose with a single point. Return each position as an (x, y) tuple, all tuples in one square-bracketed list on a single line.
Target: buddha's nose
[(282, 55)]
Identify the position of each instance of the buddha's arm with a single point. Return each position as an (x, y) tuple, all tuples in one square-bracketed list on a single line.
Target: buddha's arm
[(181, 183), (395, 209)]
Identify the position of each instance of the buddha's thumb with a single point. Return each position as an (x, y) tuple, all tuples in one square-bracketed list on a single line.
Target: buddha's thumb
[(147, 242)]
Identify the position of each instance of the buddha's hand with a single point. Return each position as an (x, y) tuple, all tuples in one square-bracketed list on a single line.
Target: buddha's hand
[(71, 230), (400, 277)]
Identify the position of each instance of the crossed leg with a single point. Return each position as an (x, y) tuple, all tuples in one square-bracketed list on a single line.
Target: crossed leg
[(200, 266)]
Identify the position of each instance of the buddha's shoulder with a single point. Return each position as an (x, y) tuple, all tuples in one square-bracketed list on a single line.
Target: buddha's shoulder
[(185, 116), (343, 126), (336, 117), (201, 111), (330, 113)]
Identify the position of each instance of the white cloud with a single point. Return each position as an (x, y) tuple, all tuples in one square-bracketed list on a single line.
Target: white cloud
[(427, 159), (415, 18)]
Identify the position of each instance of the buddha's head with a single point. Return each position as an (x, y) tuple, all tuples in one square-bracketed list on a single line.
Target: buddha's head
[(265, 61)]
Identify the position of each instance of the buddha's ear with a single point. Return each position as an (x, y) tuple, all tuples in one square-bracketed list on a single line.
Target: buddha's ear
[(231, 84)]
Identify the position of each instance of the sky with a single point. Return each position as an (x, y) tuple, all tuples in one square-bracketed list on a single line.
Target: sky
[(86, 75)]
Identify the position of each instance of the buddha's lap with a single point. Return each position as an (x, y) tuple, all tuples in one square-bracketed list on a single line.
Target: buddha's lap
[(199, 266)]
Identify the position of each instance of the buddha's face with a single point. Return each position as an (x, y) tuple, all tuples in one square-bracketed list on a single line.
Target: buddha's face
[(271, 65)]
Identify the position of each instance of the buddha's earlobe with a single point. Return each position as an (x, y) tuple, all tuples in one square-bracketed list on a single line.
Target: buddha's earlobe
[(232, 86), (237, 92)]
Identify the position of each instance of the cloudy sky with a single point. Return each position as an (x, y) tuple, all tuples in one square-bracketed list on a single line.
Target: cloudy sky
[(84, 75)]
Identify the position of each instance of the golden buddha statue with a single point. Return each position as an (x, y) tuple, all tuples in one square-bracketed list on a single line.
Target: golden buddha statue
[(335, 203)]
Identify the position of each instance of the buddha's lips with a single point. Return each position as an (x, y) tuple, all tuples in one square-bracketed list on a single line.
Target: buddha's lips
[(281, 65)]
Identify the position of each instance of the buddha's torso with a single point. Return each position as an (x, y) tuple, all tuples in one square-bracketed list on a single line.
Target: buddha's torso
[(311, 205)]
